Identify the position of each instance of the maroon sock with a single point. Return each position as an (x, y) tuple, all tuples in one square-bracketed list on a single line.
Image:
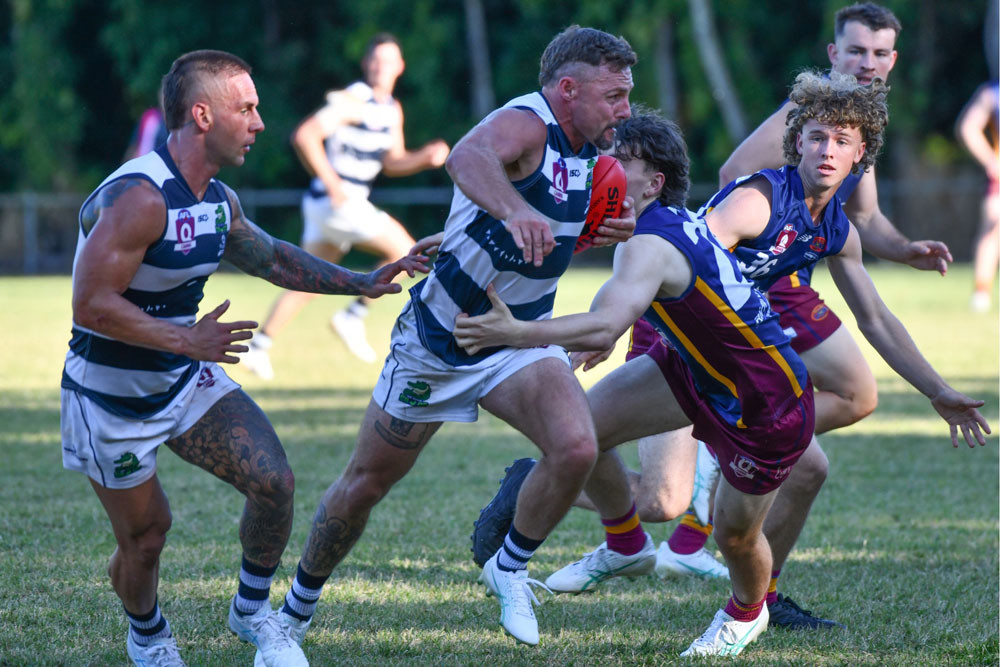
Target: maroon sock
[(742, 611), (690, 535), (772, 589), (625, 534)]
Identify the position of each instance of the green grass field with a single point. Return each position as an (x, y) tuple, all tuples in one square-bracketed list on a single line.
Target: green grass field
[(902, 544)]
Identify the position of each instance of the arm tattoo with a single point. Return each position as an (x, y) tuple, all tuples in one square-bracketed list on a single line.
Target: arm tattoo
[(106, 199), (254, 251)]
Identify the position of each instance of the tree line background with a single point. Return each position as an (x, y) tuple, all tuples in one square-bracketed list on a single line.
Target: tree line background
[(75, 76)]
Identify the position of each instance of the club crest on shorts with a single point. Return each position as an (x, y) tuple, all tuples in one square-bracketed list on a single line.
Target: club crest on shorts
[(743, 467), (126, 465), (416, 394)]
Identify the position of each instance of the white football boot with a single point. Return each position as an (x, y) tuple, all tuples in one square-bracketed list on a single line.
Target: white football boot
[(727, 636), (699, 564), (351, 330), (513, 589), (269, 635), (600, 564), (160, 652)]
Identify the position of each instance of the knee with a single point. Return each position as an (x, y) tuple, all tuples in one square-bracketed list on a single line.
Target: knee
[(275, 489), (734, 541), (809, 473), (577, 455), (655, 506), (864, 401), (363, 488), (145, 543)]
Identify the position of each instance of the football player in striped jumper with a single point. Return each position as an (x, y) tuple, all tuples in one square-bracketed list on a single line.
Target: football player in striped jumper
[(142, 370), (345, 145), (730, 370), (521, 196)]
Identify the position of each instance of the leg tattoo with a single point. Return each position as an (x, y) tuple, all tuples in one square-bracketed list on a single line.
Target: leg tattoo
[(235, 442)]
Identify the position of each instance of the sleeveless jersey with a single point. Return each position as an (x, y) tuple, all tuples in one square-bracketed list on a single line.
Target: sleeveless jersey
[(478, 250), (723, 327), (355, 151), (138, 382), (791, 241)]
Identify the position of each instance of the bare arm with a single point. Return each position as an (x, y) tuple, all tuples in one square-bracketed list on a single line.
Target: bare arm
[(882, 239), (761, 150), (507, 146), (309, 137), (970, 128), (743, 214), (254, 251), (891, 340), (642, 266), (125, 218), (400, 162)]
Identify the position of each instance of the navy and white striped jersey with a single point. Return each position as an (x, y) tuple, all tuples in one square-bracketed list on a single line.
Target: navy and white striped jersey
[(355, 151), (478, 250), (138, 382)]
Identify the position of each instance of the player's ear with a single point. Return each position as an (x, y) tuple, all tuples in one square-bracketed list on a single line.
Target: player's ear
[(861, 152), (656, 184), (831, 53), (567, 87), (798, 143), (201, 114)]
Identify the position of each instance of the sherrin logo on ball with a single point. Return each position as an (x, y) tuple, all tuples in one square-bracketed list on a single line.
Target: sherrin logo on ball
[(607, 191)]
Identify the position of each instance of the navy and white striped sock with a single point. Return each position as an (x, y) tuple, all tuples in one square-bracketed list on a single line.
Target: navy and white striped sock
[(516, 551), (303, 596), (147, 626), (255, 587)]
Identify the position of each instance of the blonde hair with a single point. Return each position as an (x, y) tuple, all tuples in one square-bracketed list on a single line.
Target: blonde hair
[(838, 99)]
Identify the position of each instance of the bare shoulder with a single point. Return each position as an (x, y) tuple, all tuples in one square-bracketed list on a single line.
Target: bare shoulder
[(516, 136), (130, 206)]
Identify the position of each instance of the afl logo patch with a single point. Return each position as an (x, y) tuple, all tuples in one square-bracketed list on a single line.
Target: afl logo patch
[(820, 312), (185, 232)]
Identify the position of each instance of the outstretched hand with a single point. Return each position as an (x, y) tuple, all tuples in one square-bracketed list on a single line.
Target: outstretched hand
[(379, 281), (427, 245), (589, 359), (617, 230), (960, 412), (494, 327), (212, 340), (928, 256)]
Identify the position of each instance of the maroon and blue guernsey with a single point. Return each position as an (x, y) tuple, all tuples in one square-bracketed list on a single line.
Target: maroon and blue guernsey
[(725, 330), (792, 242)]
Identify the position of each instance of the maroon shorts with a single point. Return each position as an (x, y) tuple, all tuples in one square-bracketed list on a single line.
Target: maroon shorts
[(643, 337), (755, 459), (802, 314)]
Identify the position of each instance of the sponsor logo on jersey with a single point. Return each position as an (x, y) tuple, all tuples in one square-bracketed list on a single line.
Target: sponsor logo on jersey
[(220, 219), (185, 232), (743, 467), (785, 239), (804, 237), (818, 244), (416, 394), (820, 312), (126, 465), (560, 181)]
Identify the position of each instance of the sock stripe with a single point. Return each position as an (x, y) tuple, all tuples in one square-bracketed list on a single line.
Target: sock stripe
[(690, 519), (629, 524)]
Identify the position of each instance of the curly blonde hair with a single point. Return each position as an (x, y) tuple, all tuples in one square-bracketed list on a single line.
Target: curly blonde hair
[(838, 99)]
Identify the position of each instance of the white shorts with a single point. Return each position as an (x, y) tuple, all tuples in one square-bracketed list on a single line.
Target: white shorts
[(120, 453), (416, 385), (356, 221)]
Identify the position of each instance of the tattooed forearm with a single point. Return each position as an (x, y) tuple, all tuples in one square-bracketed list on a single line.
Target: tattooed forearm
[(398, 433), (329, 542)]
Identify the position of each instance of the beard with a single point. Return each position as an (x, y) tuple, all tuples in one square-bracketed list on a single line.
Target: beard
[(602, 142)]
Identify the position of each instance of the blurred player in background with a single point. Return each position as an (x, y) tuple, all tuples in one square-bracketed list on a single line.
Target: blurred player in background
[(150, 132), (977, 129), (142, 370), (344, 146), (521, 198)]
